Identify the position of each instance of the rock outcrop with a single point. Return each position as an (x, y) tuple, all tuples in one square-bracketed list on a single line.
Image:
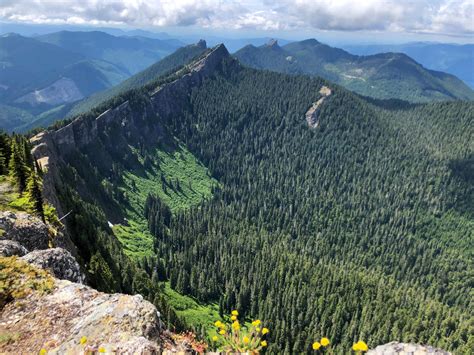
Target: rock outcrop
[(59, 320), (11, 248), (25, 229), (312, 115), (58, 261), (395, 348)]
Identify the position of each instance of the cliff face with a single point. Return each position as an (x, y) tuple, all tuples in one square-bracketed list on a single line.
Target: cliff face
[(117, 127), (82, 131)]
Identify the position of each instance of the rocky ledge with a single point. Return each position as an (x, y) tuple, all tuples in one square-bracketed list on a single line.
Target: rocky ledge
[(75, 318)]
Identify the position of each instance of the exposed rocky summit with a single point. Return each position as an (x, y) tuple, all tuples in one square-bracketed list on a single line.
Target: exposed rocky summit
[(395, 348), (57, 322), (58, 261), (11, 248), (25, 229)]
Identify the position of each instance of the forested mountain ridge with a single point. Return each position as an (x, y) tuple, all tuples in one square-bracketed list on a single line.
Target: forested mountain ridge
[(347, 230), (384, 75), (456, 59)]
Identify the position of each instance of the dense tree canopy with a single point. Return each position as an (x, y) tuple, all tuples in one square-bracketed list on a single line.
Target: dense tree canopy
[(360, 228)]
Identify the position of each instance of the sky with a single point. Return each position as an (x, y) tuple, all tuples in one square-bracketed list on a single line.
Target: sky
[(371, 19)]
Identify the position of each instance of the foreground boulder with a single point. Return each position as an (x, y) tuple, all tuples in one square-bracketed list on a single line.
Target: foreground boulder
[(395, 348), (11, 248), (74, 318), (58, 261), (25, 229)]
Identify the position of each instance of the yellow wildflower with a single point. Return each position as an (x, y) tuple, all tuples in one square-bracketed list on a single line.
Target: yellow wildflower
[(256, 322), (263, 343), (325, 341), (360, 346), (218, 323), (43, 352), (236, 325), (222, 332), (316, 345), (265, 331), (233, 318), (246, 340), (235, 313), (83, 340), (257, 329), (101, 349), (214, 338)]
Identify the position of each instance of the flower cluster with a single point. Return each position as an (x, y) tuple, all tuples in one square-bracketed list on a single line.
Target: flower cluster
[(324, 342), (235, 337), (360, 346)]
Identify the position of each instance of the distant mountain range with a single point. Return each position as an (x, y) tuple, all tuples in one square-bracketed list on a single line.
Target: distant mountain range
[(57, 75), (451, 58), (383, 76), (44, 73), (168, 64)]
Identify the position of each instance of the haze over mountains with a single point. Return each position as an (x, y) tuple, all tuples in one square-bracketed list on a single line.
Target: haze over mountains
[(44, 73), (43, 78)]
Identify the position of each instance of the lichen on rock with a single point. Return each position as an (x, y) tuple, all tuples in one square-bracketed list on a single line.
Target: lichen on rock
[(72, 312)]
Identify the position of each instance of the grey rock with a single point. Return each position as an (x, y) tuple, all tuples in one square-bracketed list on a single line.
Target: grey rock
[(121, 324), (11, 248), (58, 261), (25, 229), (395, 348)]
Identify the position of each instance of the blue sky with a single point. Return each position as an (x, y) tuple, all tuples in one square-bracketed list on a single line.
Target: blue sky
[(363, 20)]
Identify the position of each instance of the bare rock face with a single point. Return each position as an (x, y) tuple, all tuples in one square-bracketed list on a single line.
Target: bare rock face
[(25, 229), (10, 248), (58, 321), (312, 115), (395, 348), (58, 261)]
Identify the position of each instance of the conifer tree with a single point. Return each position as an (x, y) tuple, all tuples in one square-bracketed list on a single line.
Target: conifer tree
[(3, 165), (17, 167), (33, 189)]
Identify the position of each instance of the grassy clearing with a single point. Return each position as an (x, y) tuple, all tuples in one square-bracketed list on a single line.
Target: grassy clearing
[(180, 181), (135, 238), (200, 316)]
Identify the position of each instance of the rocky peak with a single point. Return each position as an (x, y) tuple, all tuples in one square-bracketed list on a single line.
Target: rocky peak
[(202, 44), (273, 43)]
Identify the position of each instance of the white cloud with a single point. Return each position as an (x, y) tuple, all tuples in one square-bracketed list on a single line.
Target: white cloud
[(439, 16), (435, 16)]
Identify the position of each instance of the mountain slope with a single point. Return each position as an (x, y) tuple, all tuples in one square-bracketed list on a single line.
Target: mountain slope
[(36, 77), (346, 228), (388, 75), (171, 62), (132, 54), (454, 59)]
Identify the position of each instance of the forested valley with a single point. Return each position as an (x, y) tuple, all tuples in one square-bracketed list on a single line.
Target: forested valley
[(360, 228)]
